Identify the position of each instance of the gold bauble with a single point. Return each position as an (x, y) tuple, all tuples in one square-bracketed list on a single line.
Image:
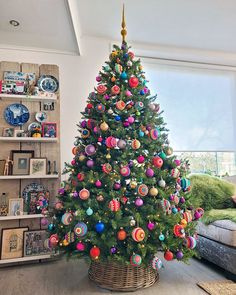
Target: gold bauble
[(133, 184), (104, 126), (65, 243), (169, 151), (81, 158), (108, 156), (153, 192)]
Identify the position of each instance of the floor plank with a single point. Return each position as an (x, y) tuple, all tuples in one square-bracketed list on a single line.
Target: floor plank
[(70, 278)]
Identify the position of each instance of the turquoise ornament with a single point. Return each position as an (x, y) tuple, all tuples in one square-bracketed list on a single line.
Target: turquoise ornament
[(161, 237), (123, 76), (89, 211), (51, 226), (107, 68), (141, 133), (174, 210)]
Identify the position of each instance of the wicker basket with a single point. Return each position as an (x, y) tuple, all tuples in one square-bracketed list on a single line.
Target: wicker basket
[(119, 277)]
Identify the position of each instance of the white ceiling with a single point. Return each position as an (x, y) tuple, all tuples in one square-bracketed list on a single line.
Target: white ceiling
[(201, 24)]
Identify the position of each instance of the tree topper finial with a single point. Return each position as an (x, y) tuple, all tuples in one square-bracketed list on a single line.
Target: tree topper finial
[(123, 25)]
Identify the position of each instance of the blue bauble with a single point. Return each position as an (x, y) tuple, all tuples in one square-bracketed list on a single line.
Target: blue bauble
[(51, 226), (141, 133), (104, 141), (126, 55), (174, 210), (161, 237), (100, 226), (142, 92), (123, 76), (117, 118)]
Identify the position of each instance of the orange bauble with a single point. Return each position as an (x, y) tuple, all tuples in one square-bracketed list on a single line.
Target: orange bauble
[(121, 235), (74, 150)]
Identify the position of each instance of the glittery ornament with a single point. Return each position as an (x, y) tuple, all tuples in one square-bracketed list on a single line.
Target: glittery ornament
[(153, 192), (84, 194)]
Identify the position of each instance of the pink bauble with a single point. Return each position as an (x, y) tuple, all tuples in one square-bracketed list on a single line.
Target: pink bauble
[(140, 159), (96, 129), (111, 142), (73, 162), (128, 93), (197, 215), (98, 183), (44, 221), (177, 162), (151, 225), (126, 124), (100, 139), (131, 120), (80, 246), (117, 186), (90, 163), (138, 202), (149, 172), (125, 171)]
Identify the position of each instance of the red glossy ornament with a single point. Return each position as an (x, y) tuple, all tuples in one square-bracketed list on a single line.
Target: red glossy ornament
[(133, 82), (168, 255), (89, 106), (80, 176), (157, 162), (95, 252)]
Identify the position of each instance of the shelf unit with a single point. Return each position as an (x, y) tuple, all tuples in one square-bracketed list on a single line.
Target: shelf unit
[(13, 185), (36, 98), (28, 139)]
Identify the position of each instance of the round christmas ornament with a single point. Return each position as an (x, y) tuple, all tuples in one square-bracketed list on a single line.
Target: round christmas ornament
[(154, 134), (125, 171), (73, 162), (98, 183), (141, 133), (149, 173), (157, 162), (100, 108), (121, 234), (168, 255), (89, 211), (80, 229), (135, 144), (182, 200), (89, 106), (126, 124), (133, 82), (162, 183), (106, 168), (199, 213), (114, 205), (118, 68), (129, 63), (113, 250), (84, 194), (75, 150), (51, 226), (121, 143), (165, 206), (90, 164), (113, 79), (90, 124), (95, 252), (131, 54), (140, 159), (138, 202), (175, 172), (80, 246), (99, 227), (179, 231), (138, 234), (162, 155), (174, 210), (190, 242), (133, 184), (120, 105), (100, 198), (157, 263), (187, 215), (169, 151), (70, 237), (59, 205), (85, 133), (117, 118), (117, 186), (90, 150), (101, 89), (130, 120), (104, 126), (161, 237), (80, 176), (151, 225), (183, 223), (153, 192), (53, 240), (179, 255), (66, 218), (139, 105), (44, 221), (110, 111), (135, 260), (123, 76), (98, 79), (132, 222), (185, 183), (177, 162), (142, 190), (82, 157), (115, 90), (65, 243)]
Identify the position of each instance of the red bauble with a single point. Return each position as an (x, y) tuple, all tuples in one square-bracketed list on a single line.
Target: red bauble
[(133, 82), (157, 162), (80, 176), (89, 106), (95, 252), (168, 255)]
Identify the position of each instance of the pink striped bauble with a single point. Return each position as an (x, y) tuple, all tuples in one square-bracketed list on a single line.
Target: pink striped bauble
[(138, 234)]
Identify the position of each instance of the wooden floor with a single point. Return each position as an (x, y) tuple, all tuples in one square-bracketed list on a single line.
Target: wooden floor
[(70, 278)]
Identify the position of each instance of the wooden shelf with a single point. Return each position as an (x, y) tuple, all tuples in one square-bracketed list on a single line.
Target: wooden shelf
[(28, 139), (10, 177), (30, 216), (27, 97), (23, 259)]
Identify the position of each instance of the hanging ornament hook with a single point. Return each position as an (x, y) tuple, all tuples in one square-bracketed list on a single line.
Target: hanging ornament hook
[(123, 25)]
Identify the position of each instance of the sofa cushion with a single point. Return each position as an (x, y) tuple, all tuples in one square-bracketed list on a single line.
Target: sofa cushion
[(223, 231)]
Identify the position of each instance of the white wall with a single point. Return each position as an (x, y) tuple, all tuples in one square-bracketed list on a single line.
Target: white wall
[(77, 79)]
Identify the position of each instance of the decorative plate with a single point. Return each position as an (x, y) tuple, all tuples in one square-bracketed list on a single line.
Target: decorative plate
[(34, 125), (48, 83), (41, 117), (16, 114)]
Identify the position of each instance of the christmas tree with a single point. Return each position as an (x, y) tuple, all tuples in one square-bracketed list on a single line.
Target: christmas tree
[(127, 195)]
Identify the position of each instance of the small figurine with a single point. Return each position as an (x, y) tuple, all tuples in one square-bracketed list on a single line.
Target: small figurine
[(6, 167), (49, 167), (55, 167)]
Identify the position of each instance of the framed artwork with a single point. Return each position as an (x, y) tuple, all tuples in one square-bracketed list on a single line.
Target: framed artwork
[(21, 162), (38, 166), (15, 207), (19, 133), (12, 242), (2, 166), (8, 132), (36, 243), (49, 129)]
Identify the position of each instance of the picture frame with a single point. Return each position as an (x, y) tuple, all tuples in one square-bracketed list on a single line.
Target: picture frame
[(15, 207), (36, 243), (18, 133), (2, 166), (49, 129), (12, 242), (21, 161), (38, 166), (8, 132)]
